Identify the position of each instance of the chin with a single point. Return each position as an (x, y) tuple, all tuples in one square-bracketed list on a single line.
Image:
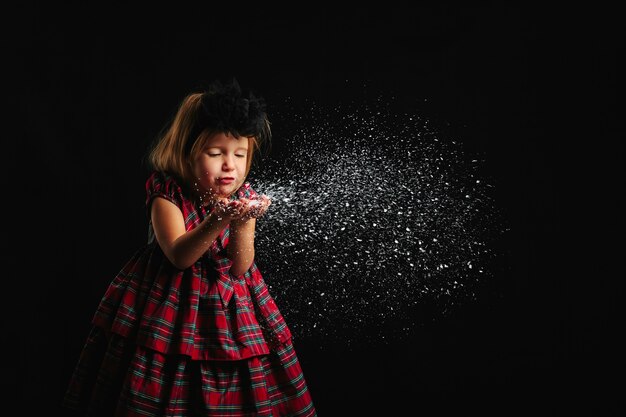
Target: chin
[(225, 191)]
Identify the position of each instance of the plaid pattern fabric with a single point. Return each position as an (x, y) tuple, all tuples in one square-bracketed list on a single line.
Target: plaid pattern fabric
[(204, 311), (116, 377), (159, 333)]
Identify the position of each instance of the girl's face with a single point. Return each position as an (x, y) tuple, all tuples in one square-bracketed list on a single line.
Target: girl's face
[(220, 167)]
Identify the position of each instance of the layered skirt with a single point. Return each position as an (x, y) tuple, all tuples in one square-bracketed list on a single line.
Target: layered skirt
[(116, 377), (198, 342)]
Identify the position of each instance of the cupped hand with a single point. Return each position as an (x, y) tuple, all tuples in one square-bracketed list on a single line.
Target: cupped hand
[(243, 208), (227, 209), (259, 206), (254, 207)]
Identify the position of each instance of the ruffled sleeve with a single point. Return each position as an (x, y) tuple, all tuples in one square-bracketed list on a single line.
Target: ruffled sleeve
[(246, 191), (163, 185)]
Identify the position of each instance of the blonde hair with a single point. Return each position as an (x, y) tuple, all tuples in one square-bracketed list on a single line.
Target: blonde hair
[(198, 118)]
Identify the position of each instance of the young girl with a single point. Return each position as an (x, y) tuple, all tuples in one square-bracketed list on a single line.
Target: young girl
[(187, 327)]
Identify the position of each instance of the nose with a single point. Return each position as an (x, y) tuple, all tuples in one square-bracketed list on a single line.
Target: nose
[(229, 163)]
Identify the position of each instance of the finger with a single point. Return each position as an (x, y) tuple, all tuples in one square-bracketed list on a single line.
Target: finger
[(235, 208), (258, 211)]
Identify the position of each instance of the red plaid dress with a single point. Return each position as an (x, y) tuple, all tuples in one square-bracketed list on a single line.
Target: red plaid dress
[(193, 342)]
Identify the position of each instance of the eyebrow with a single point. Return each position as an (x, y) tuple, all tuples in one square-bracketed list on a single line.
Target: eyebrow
[(224, 147)]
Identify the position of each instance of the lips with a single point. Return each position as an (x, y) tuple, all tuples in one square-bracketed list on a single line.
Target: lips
[(225, 180)]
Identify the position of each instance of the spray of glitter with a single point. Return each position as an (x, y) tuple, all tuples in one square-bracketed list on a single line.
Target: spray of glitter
[(373, 216)]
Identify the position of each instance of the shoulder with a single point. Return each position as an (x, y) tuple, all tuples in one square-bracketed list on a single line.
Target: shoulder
[(164, 185)]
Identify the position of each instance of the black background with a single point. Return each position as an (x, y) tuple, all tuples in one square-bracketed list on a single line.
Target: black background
[(534, 89)]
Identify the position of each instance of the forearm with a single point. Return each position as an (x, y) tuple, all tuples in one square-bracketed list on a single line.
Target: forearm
[(189, 247), (241, 246)]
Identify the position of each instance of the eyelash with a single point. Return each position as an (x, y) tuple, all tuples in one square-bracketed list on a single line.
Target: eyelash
[(217, 154)]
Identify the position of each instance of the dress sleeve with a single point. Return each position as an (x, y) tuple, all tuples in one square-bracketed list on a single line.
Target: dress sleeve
[(163, 185), (246, 191)]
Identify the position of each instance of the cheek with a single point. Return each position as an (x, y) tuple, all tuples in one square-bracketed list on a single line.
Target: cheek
[(242, 165), (203, 167), (203, 172)]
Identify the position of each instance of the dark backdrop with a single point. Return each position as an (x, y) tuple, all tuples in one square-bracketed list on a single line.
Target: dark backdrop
[(533, 89)]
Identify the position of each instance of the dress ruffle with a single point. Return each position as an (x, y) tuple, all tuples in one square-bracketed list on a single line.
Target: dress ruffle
[(117, 377), (203, 312)]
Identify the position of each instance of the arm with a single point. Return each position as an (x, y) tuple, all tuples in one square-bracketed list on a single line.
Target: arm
[(241, 241), (241, 245), (183, 248)]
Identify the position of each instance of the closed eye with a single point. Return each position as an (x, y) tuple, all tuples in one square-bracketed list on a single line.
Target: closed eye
[(218, 154)]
